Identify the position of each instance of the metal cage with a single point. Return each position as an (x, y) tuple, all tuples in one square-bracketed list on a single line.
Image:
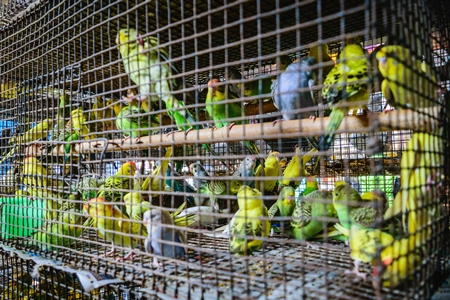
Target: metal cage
[(224, 149)]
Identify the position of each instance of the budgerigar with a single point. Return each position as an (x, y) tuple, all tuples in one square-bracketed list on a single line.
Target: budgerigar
[(134, 122), (156, 180), (296, 168), (246, 171), (160, 229), (351, 209), (61, 233), (88, 187), (272, 170), (74, 129), (311, 185), (405, 84), (285, 203), (221, 112), (346, 87), (364, 244), (207, 186), (421, 164), (247, 228), (40, 131), (320, 54), (113, 225), (292, 92), (117, 185), (310, 211), (148, 65)]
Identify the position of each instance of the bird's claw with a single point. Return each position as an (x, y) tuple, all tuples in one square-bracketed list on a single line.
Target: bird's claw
[(157, 264), (231, 126), (129, 256), (309, 245), (312, 117), (187, 131), (357, 273), (277, 121)]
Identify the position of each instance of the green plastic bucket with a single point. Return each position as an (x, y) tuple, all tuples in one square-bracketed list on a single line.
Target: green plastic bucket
[(20, 216)]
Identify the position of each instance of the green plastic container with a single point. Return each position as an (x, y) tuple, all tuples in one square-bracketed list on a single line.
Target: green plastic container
[(20, 216), (384, 183)]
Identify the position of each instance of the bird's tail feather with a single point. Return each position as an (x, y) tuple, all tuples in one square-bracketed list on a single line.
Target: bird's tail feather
[(336, 117)]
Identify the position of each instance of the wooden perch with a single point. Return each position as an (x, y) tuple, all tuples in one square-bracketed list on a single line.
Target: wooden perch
[(425, 120)]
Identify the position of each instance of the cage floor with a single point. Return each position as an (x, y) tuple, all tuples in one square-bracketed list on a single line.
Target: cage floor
[(279, 271)]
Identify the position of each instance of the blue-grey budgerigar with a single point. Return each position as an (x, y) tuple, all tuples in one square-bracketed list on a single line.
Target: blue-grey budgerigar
[(292, 91), (156, 221)]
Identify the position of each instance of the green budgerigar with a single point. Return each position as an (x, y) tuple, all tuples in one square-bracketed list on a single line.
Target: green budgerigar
[(285, 203), (135, 122), (351, 208), (88, 187), (148, 65), (116, 185), (209, 187), (63, 232), (307, 219), (221, 112)]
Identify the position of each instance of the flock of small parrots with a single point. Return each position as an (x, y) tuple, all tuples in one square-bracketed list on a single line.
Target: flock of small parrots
[(346, 86)]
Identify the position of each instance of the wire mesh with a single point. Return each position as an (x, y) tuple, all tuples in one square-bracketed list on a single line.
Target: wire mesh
[(168, 149)]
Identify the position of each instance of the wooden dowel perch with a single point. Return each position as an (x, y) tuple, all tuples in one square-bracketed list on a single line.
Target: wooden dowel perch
[(425, 120)]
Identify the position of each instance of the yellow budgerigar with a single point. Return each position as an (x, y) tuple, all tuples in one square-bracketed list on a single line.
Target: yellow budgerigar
[(272, 169), (248, 229), (296, 168), (406, 84)]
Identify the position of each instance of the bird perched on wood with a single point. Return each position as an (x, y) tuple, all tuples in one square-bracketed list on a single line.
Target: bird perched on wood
[(292, 93), (248, 230), (73, 130), (113, 225), (406, 83), (222, 112), (160, 228), (346, 87), (148, 65), (309, 214), (256, 86), (134, 122)]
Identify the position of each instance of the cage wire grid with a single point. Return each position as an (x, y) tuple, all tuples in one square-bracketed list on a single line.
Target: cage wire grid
[(88, 111)]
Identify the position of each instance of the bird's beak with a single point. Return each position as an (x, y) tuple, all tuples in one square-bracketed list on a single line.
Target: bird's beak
[(145, 222), (118, 39), (382, 60)]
